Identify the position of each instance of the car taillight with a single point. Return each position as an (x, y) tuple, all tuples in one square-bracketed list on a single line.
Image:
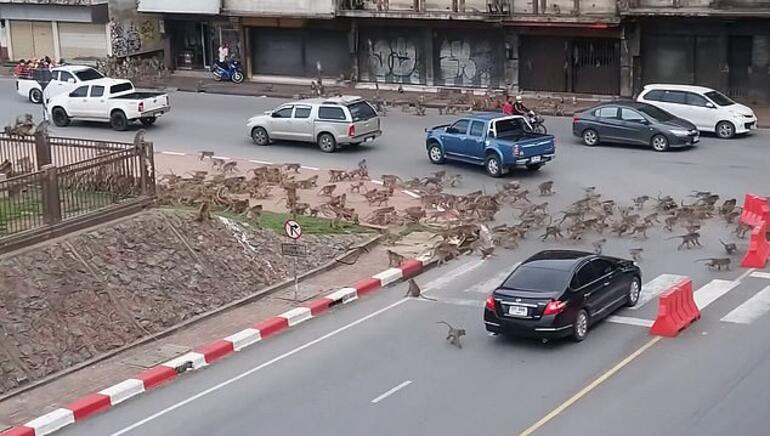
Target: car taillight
[(141, 106), (517, 150), (575, 118), (553, 307), (352, 130), (490, 303)]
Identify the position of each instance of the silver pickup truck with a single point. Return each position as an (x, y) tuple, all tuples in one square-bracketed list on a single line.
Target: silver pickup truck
[(108, 100)]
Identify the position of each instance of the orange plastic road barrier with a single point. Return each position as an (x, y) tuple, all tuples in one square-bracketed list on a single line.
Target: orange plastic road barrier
[(676, 311), (755, 210), (759, 249)]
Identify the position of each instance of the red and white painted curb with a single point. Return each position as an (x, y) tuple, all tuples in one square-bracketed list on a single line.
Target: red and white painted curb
[(200, 357)]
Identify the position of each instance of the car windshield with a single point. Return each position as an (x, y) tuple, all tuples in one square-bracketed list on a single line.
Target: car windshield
[(537, 279), (719, 98), (510, 128), (89, 74), (655, 113), (361, 111)]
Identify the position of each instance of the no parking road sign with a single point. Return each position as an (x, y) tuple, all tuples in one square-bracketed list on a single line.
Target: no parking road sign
[(293, 229)]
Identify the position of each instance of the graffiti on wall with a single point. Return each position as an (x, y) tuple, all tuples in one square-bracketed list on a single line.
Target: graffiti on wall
[(393, 60), (467, 63), (135, 36)]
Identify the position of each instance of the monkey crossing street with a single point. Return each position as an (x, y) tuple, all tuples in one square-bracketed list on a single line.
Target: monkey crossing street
[(323, 377)]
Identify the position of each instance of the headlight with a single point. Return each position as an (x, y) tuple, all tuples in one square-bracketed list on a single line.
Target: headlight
[(680, 132)]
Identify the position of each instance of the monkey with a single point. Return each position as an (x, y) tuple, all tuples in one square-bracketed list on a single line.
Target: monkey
[(521, 195), (717, 263), (395, 259), (313, 212), (356, 187), (292, 167), (730, 248), (204, 212), (741, 230), (229, 167), (254, 212), (731, 216), (390, 181), (640, 201), (414, 291), (640, 231), (486, 253), (336, 176), (599, 245), (455, 180), (217, 162), (670, 222), (689, 240), (206, 154), (554, 231), (311, 182), (545, 188), (362, 165), (636, 254), (327, 190), (728, 206), (651, 218), (454, 334)]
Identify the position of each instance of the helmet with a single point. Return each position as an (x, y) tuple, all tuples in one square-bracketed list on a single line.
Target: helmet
[(518, 99)]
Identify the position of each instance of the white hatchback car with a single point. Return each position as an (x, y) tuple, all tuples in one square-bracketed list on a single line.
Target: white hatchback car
[(709, 110)]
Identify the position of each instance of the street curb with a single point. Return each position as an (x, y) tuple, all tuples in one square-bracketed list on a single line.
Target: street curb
[(205, 355)]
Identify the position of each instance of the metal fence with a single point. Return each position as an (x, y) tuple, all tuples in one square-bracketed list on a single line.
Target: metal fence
[(83, 178)]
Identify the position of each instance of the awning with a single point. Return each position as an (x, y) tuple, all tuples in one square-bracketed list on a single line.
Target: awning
[(204, 7)]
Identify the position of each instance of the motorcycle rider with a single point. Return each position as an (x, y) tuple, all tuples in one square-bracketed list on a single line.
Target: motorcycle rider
[(519, 108)]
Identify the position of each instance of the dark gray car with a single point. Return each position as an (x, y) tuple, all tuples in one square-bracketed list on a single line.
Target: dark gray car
[(633, 123)]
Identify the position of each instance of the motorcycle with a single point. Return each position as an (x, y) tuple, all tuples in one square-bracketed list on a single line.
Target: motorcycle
[(231, 73), (537, 122)]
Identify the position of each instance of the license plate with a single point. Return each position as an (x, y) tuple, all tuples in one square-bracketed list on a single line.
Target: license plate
[(695, 139), (369, 139), (535, 159), (517, 311)]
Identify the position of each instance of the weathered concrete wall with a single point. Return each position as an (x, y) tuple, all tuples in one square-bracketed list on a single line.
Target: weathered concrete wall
[(131, 32), (392, 55), (303, 8)]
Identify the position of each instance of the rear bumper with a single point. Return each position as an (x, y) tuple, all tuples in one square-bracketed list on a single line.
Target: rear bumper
[(370, 136), (155, 112), (534, 160), (549, 327)]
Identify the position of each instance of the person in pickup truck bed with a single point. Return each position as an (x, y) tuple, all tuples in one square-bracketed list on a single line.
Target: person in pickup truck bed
[(20, 69), (519, 108)]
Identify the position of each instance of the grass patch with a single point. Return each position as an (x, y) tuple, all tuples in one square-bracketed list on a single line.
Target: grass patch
[(310, 226)]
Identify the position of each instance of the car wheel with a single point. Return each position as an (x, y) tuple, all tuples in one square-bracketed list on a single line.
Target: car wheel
[(493, 166), (260, 136), (36, 96), (148, 121), (327, 143), (634, 290), (118, 121), (534, 167), (590, 137), (580, 330), (60, 117), (435, 154), (725, 130), (659, 143)]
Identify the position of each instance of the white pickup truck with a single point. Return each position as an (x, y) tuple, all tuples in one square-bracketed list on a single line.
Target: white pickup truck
[(111, 100), (42, 83)]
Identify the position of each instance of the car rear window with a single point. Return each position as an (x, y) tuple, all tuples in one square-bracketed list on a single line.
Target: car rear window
[(331, 113), (89, 74), (121, 87), (361, 111), (537, 279)]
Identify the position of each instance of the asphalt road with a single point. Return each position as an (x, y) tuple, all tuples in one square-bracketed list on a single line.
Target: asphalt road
[(323, 377)]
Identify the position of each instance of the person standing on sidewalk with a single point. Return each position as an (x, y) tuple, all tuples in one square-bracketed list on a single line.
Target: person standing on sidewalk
[(223, 54)]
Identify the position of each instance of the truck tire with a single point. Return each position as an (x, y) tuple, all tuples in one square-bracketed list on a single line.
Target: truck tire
[(36, 96), (493, 165), (435, 154), (60, 117), (148, 121), (327, 143), (260, 136), (118, 121)]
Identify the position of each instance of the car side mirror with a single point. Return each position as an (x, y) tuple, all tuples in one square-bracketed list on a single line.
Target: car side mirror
[(710, 105), (645, 122), (451, 130)]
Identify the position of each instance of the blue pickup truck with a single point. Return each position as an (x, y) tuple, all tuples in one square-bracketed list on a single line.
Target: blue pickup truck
[(499, 142)]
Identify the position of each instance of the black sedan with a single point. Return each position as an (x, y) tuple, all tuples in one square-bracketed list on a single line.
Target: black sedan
[(560, 293), (633, 123)]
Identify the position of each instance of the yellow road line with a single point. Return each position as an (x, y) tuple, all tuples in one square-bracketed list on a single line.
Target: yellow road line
[(593, 385)]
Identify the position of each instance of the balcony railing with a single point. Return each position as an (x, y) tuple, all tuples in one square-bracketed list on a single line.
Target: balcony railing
[(477, 9), (694, 7)]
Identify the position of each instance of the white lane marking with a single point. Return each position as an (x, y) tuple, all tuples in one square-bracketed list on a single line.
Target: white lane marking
[(713, 290), (255, 369), (221, 157), (627, 320), (261, 162), (411, 194), (488, 286), (173, 153), (391, 392), (747, 273), (760, 275), (310, 168), (379, 182), (655, 287), (458, 301), (453, 275), (752, 309)]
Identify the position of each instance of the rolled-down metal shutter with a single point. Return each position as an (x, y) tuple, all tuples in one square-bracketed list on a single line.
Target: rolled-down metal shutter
[(80, 40)]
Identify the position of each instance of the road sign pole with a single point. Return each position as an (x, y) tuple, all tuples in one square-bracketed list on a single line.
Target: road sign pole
[(296, 281)]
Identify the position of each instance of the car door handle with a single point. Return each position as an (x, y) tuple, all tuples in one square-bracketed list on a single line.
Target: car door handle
[(606, 283), (588, 294)]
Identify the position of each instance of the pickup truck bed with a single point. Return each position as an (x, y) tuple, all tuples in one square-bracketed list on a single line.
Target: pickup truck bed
[(138, 95)]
